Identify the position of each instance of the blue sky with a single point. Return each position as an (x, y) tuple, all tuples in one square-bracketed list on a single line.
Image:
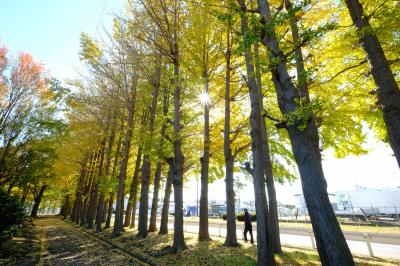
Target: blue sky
[(50, 29)]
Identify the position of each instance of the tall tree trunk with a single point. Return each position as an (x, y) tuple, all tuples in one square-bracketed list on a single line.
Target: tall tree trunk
[(114, 171), (134, 188), (76, 210), (83, 212), (272, 202), (388, 89), (154, 205), (94, 189), (231, 238), (104, 212), (38, 200), (101, 207), (66, 207), (118, 222), (205, 163), (153, 217), (167, 196), (177, 181), (110, 210), (144, 198), (331, 244), (97, 204), (264, 247), (78, 196), (145, 182), (134, 206), (94, 193), (87, 189)]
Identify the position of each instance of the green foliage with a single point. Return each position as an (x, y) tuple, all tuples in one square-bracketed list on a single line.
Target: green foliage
[(108, 184), (12, 215), (89, 49), (216, 172), (303, 113)]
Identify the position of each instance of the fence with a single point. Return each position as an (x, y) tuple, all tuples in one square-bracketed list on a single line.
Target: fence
[(360, 242)]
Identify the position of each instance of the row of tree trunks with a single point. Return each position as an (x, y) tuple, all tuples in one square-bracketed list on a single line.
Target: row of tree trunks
[(146, 168), (87, 189), (78, 195), (114, 171), (332, 246), (157, 177), (101, 207), (130, 216), (92, 195), (109, 210), (118, 221)]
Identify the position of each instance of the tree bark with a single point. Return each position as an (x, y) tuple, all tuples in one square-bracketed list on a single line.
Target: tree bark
[(118, 222), (205, 163), (154, 205), (145, 182), (66, 207), (264, 247), (388, 89), (104, 212), (134, 188), (88, 188), (94, 190), (167, 196), (144, 198), (83, 212), (231, 238), (114, 171), (331, 244), (269, 177), (38, 200), (102, 207), (153, 217), (177, 181), (110, 210), (134, 206), (94, 193), (76, 213)]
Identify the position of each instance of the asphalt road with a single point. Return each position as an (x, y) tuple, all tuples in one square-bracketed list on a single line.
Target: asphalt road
[(383, 245), (391, 239)]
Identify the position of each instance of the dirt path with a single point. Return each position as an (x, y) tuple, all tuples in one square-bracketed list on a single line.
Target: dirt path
[(63, 244)]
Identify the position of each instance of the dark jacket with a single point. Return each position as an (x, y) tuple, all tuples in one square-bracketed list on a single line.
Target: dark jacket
[(247, 219)]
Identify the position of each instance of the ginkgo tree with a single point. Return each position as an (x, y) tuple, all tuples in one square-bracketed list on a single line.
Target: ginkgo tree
[(183, 89)]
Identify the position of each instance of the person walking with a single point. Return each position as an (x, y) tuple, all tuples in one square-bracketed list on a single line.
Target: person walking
[(248, 226)]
